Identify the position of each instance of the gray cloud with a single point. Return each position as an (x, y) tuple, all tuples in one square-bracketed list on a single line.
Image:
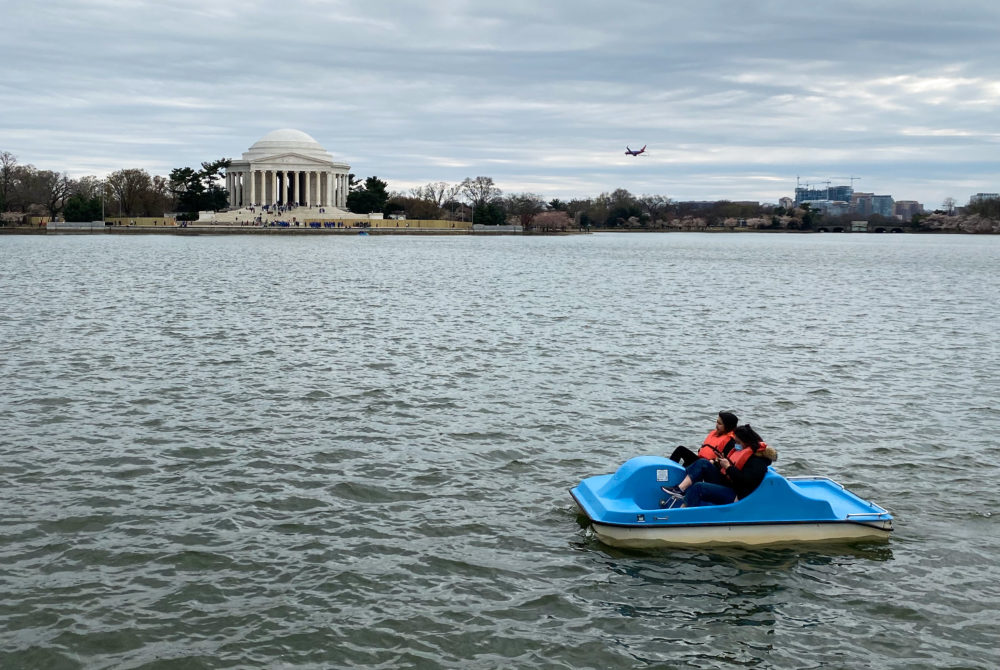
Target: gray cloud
[(733, 98)]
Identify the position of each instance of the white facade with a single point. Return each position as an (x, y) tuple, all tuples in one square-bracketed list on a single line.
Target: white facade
[(287, 167)]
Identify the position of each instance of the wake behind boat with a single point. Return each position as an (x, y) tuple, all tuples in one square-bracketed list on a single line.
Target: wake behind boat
[(624, 510)]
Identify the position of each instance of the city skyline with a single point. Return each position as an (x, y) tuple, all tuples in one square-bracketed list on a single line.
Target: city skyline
[(733, 100)]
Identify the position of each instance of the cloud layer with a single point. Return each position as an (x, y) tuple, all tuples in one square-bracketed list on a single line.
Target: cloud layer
[(734, 99)]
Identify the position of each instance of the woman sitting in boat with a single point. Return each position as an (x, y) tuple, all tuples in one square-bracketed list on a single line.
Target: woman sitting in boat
[(727, 479), (717, 443)]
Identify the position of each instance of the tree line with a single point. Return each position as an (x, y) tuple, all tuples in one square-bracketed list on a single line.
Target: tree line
[(28, 191), (133, 192)]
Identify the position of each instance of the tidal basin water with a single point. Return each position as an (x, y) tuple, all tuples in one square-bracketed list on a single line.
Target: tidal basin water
[(354, 452)]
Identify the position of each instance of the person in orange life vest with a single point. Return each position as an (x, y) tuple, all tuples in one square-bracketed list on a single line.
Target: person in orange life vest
[(726, 480), (717, 443)]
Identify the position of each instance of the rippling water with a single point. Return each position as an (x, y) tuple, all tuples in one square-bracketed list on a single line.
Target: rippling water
[(355, 452)]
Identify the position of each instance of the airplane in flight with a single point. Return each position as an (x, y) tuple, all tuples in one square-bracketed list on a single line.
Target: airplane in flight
[(634, 152)]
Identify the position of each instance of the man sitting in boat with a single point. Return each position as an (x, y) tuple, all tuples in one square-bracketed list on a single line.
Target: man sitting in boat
[(726, 479), (717, 443)]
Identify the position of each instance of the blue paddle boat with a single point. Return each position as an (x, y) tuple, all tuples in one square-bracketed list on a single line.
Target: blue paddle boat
[(624, 511)]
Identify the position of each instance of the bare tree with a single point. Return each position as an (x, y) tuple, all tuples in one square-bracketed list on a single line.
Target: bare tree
[(7, 164), (157, 199), (436, 192), (128, 187), (55, 189), (480, 191), (524, 206), (656, 206), (88, 187), (948, 205)]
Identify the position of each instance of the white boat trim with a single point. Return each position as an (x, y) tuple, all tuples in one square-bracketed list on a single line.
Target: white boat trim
[(751, 534)]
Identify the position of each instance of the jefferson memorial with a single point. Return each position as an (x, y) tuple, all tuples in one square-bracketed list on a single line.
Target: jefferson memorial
[(287, 167)]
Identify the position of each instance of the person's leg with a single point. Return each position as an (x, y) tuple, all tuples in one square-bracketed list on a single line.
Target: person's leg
[(701, 471), (684, 456), (705, 493)]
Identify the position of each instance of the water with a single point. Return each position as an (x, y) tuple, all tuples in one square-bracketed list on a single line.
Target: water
[(223, 452)]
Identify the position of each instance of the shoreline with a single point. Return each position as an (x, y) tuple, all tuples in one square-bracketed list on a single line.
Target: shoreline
[(250, 230), (246, 230)]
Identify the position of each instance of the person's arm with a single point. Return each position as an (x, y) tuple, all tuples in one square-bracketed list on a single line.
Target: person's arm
[(750, 477)]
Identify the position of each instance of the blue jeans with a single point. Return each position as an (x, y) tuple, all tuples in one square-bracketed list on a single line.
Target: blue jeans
[(704, 471), (704, 493)]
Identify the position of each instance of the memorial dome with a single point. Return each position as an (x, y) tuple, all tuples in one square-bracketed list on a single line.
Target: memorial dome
[(286, 141)]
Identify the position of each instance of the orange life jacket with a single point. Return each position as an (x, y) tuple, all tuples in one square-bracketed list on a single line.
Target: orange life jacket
[(714, 444), (739, 458)]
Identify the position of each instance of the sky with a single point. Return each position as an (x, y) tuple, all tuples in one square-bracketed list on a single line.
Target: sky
[(734, 99)]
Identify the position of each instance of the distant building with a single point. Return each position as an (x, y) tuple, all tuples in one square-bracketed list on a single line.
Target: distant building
[(907, 209), (697, 204), (287, 166), (832, 193), (829, 207), (786, 202), (979, 197), (866, 204), (884, 205)]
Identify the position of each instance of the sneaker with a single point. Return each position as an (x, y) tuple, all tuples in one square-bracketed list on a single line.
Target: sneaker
[(673, 492)]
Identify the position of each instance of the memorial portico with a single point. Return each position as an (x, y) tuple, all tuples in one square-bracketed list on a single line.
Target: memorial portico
[(287, 167)]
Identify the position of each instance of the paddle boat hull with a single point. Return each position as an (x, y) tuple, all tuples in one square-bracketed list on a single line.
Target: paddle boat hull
[(624, 511)]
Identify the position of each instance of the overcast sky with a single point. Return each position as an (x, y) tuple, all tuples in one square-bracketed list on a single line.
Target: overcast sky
[(734, 98)]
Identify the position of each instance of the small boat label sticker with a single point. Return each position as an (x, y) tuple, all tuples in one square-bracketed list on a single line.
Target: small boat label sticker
[(663, 475)]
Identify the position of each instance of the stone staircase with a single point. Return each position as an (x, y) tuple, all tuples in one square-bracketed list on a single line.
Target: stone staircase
[(245, 215)]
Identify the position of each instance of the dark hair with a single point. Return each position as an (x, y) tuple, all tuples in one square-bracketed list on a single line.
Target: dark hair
[(748, 436), (729, 420)]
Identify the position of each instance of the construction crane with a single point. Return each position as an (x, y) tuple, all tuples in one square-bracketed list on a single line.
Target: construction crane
[(853, 179)]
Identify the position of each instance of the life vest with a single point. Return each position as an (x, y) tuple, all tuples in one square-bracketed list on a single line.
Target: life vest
[(714, 445), (739, 458)]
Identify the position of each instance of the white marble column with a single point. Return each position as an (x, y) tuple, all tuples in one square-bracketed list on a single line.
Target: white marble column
[(308, 175), (253, 175), (274, 187)]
